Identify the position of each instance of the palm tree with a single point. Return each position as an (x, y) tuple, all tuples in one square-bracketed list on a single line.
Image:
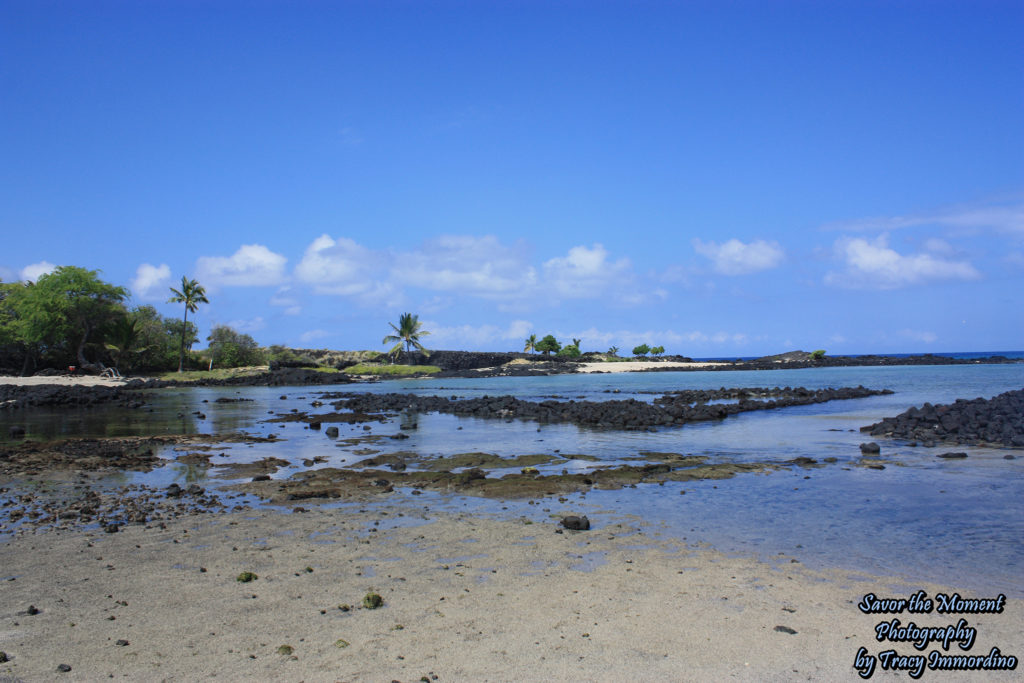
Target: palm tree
[(407, 332), (576, 342), (531, 344), (191, 294), (613, 351), (126, 333)]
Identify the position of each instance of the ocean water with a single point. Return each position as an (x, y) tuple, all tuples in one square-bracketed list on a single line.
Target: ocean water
[(922, 518)]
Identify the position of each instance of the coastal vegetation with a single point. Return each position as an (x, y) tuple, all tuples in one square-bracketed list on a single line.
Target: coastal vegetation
[(391, 370), (407, 333), (191, 294), (548, 345)]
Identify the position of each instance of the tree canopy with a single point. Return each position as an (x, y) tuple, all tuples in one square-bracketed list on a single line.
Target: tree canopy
[(548, 345)]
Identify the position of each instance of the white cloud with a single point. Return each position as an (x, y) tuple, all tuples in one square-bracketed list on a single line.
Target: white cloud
[(736, 258), (248, 326), (478, 336), (151, 282), (253, 265), (342, 267), (584, 273), (1006, 217), (313, 335), (873, 265), (937, 246), (480, 266), (283, 298), (34, 271), (680, 343)]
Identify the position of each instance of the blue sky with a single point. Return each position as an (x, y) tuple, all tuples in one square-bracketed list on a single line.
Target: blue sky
[(721, 178)]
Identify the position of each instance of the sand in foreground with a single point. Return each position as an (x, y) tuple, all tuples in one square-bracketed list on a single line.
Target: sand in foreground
[(464, 599)]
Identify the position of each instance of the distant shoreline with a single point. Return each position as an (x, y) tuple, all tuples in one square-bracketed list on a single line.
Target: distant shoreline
[(477, 364)]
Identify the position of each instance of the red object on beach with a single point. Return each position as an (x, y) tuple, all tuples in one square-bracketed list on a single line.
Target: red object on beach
[(71, 369)]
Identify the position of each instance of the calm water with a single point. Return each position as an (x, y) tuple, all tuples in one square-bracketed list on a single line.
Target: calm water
[(959, 522)]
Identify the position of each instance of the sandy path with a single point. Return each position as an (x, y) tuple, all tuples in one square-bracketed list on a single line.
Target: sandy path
[(466, 599), (62, 380)]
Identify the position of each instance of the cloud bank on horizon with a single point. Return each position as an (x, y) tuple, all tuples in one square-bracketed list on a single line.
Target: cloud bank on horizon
[(720, 181)]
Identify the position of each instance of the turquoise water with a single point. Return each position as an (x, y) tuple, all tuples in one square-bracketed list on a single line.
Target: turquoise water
[(957, 522)]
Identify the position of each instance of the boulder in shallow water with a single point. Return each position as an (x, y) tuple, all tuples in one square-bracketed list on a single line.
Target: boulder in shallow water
[(575, 523)]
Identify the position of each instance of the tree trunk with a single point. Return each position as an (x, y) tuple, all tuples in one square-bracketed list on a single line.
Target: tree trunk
[(184, 327), (80, 354)]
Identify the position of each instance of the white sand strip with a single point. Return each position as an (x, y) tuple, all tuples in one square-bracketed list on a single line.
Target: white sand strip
[(637, 366), (61, 380)]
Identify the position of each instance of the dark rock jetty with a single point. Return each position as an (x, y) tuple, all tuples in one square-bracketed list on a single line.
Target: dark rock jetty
[(672, 409), (14, 396), (979, 422)]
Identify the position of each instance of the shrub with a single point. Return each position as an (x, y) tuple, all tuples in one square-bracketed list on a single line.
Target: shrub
[(818, 355), (571, 351), (641, 350)]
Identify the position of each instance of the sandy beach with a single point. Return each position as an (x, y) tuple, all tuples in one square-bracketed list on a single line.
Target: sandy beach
[(464, 599), (639, 366)]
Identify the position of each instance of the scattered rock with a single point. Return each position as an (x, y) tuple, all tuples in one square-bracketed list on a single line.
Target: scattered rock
[(576, 523), (952, 456), (785, 629), (246, 577), (372, 601)]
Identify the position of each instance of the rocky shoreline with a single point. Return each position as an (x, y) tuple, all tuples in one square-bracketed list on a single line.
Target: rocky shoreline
[(670, 410), (996, 421)]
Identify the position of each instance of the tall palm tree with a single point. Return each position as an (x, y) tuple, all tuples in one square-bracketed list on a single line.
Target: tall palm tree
[(407, 332), (613, 351), (191, 294), (531, 344), (576, 342)]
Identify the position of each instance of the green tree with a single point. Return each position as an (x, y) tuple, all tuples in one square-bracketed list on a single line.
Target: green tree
[(159, 338), (531, 344), (548, 345), (641, 350), (231, 349), (68, 306), (818, 354), (124, 337), (407, 332), (576, 342), (613, 351), (657, 350), (569, 351), (191, 294)]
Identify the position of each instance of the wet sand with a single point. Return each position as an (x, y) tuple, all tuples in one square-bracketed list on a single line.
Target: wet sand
[(464, 599)]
